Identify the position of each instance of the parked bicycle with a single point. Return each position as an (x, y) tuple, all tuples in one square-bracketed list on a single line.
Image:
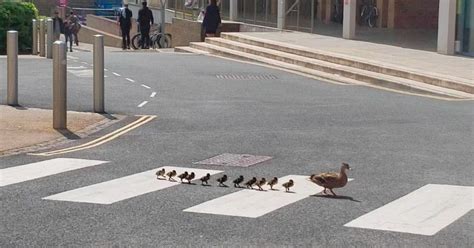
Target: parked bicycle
[(157, 40), (369, 13)]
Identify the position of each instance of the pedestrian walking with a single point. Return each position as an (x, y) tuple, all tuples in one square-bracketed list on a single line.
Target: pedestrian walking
[(75, 26), (58, 26), (145, 19), (212, 19), (125, 21), (68, 33)]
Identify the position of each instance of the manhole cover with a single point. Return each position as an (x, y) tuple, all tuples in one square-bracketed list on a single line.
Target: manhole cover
[(240, 160), (246, 77)]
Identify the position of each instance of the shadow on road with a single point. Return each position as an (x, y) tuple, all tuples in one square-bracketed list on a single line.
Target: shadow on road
[(68, 134), (338, 197)]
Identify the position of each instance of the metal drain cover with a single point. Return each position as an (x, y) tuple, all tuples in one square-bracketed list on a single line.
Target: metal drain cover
[(246, 77), (240, 160)]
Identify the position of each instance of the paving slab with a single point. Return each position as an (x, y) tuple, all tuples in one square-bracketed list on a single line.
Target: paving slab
[(425, 61)]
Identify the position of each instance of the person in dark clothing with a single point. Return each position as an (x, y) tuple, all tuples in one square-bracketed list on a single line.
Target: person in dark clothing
[(145, 19), (212, 19), (68, 32), (58, 26), (125, 21)]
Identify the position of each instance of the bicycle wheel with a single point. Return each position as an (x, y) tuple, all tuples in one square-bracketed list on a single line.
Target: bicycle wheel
[(164, 41), (136, 41), (154, 41)]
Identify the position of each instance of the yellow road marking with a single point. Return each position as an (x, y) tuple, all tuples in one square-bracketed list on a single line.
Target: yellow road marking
[(99, 141)]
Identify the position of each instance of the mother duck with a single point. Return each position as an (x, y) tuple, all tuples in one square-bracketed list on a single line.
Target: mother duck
[(331, 180)]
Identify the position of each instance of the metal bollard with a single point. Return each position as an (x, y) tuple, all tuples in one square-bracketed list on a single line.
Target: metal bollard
[(50, 40), (99, 74), (12, 68), (59, 85), (42, 51), (34, 47)]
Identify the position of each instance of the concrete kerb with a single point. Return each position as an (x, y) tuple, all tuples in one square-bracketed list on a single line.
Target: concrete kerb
[(375, 66), (81, 134)]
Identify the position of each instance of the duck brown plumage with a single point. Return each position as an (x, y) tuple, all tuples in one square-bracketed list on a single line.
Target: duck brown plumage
[(331, 180)]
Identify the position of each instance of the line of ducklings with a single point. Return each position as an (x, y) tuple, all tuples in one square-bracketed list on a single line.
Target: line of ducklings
[(330, 180)]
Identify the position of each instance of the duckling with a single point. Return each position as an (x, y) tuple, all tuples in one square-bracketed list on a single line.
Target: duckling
[(205, 179), (160, 173), (273, 182), (171, 174), (238, 181), (222, 180), (183, 176), (190, 177), (251, 182), (260, 183), (331, 180), (288, 185)]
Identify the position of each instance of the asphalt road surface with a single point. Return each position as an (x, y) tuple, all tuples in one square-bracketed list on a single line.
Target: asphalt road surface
[(205, 106)]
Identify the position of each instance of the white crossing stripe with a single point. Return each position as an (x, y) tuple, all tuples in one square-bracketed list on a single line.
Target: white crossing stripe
[(424, 211), (254, 203), (45, 168), (76, 67), (125, 187), (82, 73)]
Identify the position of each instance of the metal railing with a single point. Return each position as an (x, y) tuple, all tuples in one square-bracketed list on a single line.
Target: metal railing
[(82, 13), (300, 15), (259, 12)]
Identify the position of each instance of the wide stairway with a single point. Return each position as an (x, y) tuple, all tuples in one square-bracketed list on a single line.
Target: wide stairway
[(331, 66)]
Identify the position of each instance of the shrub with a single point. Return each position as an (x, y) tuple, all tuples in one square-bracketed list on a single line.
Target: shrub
[(17, 16)]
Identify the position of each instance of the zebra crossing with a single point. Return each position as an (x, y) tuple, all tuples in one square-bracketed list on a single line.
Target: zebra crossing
[(425, 211)]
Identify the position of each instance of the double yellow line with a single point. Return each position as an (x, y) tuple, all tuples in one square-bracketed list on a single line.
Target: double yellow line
[(99, 141)]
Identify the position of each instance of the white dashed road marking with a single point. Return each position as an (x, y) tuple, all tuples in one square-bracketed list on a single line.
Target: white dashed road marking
[(116, 74), (146, 86), (153, 94), (131, 80), (125, 187), (41, 169), (142, 104)]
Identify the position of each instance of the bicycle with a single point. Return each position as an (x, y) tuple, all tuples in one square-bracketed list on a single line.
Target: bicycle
[(157, 40), (369, 14)]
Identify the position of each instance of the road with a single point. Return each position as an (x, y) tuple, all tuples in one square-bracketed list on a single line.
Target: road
[(205, 106)]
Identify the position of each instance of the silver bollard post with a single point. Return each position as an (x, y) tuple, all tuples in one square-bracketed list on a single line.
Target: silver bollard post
[(42, 51), (12, 68), (50, 40), (59, 85), (34, 47), (99, 74)]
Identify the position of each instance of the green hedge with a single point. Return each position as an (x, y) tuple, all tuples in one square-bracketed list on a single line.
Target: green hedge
[(17, 16)]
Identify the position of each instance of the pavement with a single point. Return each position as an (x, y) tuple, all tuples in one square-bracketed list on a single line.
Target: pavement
[(108, 196), (23, 129), (428, 62)]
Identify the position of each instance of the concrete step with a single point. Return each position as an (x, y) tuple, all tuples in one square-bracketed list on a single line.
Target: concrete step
[(322, 69), (455, 83)]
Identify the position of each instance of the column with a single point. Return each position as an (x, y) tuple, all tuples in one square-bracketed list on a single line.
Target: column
[(349, 20), (233, 10), (281, 15), (446, 26)]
